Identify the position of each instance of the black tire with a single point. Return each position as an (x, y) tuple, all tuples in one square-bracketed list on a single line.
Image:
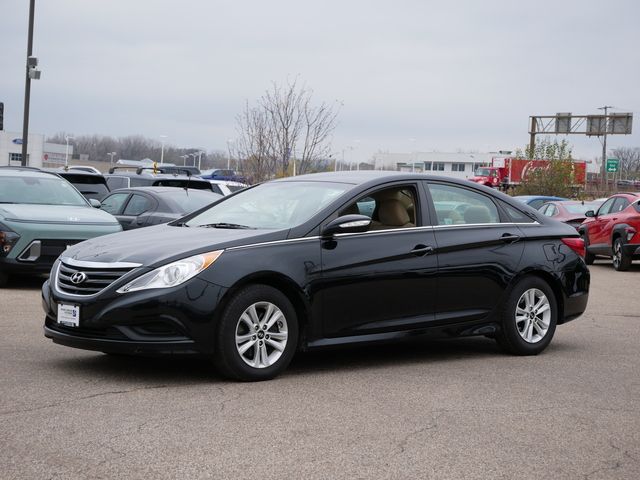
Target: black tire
[(228, 359), (621, 260), (589, 258), (509, 338), (4, 279)]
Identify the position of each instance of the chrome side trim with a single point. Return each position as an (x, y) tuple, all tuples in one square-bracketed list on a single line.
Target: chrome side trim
[(274, 242), (504, 224), (89, 264), (386, 231)]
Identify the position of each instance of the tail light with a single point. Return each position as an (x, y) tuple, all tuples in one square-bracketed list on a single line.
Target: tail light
[(575, 244)]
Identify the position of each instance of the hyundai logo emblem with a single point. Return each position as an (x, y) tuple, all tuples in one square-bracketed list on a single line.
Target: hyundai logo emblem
[(78, 278)]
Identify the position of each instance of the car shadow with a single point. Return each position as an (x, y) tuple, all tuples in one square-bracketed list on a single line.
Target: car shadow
[(185, 370), (606, 264), (23, 282)]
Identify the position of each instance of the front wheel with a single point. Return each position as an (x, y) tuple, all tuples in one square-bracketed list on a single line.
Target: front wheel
[(621, 260), (529, 318), (257, 334)]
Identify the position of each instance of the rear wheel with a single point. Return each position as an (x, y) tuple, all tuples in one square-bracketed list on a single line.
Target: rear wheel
[(529, 318), (257, 334), (621, 260)]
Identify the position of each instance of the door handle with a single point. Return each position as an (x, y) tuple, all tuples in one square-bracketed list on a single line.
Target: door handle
[(508, 238), (421, 250)]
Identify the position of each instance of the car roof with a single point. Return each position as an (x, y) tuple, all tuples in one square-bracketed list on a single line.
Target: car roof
[(360, 177), (159, 190), (24, 171), (538, 197), (77, 173)]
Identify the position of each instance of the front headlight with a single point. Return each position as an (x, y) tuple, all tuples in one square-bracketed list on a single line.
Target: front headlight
[(172, 274)]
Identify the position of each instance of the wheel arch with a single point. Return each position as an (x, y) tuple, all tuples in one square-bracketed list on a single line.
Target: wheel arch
[(554, 283), (618, 230), (284, 284)]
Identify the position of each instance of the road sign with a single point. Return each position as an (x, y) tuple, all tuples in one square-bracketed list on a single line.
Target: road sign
[(612, 165)]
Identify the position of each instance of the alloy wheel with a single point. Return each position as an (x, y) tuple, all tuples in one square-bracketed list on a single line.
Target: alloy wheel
[(261, 334), (617, 254), (533, 315)]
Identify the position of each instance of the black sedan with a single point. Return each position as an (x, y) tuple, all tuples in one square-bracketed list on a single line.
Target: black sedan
[(145, 206), (322, 260)]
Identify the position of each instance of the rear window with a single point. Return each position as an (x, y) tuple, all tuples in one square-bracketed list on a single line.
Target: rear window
[(117, 182), (185, 201), (168, 182), (580, 209)]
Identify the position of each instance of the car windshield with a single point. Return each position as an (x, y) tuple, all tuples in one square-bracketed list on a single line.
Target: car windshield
[(43, 190), (580, 208), (187, 201), (272, 205)]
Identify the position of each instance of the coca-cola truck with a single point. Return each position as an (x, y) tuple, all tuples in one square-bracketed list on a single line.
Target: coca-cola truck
[(508, 172)]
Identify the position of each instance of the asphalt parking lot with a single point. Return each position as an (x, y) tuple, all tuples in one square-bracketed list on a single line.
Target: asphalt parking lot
[(445, 410)]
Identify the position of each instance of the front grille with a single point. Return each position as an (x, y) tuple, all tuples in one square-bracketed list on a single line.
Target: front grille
[(96, 279), (45, 251)]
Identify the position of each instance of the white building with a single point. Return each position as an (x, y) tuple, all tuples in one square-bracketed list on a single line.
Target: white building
[(458, 165), (39, 152)]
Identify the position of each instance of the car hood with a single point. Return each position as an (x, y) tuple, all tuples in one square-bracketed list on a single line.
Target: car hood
[(153, 246), (25, 213)]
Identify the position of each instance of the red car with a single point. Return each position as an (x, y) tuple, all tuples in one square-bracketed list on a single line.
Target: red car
[(568, 211), (614, 230)]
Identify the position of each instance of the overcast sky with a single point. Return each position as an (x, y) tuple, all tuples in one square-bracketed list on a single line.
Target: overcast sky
[(411, 75)]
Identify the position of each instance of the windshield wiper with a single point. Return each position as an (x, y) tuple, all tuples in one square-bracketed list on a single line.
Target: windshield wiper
[(225, 225)]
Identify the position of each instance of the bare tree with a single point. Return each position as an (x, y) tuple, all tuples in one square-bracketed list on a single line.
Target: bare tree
[(285, 125), (629, 161)]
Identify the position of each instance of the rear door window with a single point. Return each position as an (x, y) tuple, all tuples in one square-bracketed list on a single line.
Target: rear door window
[(137, 205), (620, 204), (456, 205)]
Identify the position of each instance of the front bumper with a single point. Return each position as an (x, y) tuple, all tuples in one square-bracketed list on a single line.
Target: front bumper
[(632, 249), (177, 320)]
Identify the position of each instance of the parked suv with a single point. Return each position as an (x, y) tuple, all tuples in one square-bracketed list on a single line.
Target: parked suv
[(41, 215), (614, 230), (91, 185)]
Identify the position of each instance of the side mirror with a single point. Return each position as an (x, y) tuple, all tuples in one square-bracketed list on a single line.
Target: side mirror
[(589, 213), (347, 224), (95, 203)]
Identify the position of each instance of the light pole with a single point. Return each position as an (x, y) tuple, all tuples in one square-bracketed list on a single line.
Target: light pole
[(32, 72), (194, 158), (184, 159), (162, 137), (111, 154), (66, 156), (229, 142), (413, 160), (604, 181), (200, 159)]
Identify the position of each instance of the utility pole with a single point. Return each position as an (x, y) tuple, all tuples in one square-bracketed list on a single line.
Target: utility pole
[(27, 87), (604, 181)]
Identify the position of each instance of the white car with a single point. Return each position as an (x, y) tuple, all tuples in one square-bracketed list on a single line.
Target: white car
[(83, 168), (225, 187)]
